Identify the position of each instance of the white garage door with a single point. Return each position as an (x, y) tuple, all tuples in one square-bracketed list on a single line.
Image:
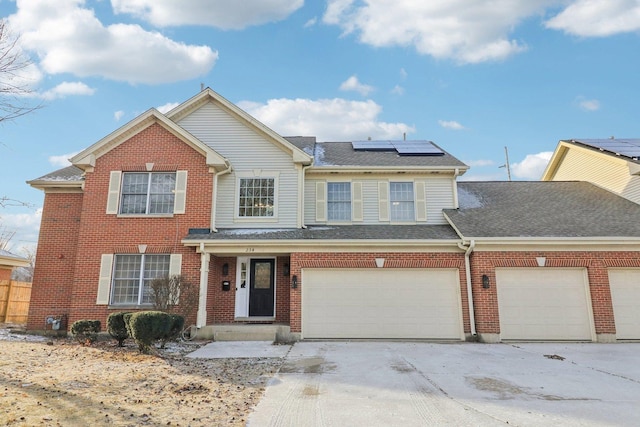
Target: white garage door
[(544, 304), (381, 303), (625, 296)]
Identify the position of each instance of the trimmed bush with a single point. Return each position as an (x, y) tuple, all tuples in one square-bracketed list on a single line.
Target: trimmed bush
[(177, 325), (117, 327), (86, 331), (146, 327)]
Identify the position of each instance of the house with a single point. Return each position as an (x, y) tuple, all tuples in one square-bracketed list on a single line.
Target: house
[(8, 262), (609, 163), (358, 239)]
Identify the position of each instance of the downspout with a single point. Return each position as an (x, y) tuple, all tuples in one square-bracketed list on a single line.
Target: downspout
[(301, 198), (467, 267), (214, 197)]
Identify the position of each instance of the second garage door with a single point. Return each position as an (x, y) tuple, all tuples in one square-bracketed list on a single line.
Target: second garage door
[(625, 297), (381, 303), (544, 304)]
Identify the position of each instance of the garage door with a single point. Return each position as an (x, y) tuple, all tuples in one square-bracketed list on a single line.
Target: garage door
[(381, 303), (544, 304), (625, 296)]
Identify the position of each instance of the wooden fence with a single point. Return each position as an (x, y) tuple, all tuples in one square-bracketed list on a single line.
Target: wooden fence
[(14, 301)]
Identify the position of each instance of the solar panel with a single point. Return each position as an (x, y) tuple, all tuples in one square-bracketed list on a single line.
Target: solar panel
[(418, 148), (372, 146), (623, 147)]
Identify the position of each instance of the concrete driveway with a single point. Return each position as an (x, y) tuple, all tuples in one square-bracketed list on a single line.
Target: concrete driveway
[(429, 384)]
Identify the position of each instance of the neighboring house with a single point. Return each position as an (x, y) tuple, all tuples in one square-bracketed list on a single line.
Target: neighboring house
[(8, 262), (609, 163), (368, 239)]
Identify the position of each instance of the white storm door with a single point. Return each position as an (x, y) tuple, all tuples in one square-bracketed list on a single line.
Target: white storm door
[(242, 288)]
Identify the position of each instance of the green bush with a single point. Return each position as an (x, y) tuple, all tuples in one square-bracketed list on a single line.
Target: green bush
[(86, 331), (177, 325), (146, 327), (117, 327)]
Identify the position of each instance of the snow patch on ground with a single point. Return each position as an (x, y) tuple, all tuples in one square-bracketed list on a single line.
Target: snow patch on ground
[(15, 334)]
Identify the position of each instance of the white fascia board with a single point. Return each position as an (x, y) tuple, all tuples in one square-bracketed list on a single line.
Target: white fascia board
[(448, 170)]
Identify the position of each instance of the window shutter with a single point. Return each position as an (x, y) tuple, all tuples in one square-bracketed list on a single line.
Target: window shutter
[(321, 201), (180, 192), (383, 201), (114, 192), (421, 201), (356, 202), (175, 264), (104, 283)]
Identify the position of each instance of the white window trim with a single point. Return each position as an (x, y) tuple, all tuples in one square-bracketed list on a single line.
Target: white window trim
[(114, 201), (257, 174), (397, 222), (326, 205)]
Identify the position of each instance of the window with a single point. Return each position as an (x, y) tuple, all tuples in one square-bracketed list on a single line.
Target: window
[(401, 200), (256, 197), (339, 201), (132, 276), (148, 193)]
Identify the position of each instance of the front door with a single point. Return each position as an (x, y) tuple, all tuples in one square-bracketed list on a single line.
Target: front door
[(261, 287)]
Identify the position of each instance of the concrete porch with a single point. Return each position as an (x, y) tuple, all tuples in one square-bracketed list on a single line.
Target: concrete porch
[(244, 332)]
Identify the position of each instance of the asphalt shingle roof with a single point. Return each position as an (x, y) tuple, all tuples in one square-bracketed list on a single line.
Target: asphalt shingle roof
[(542, 209), (343, 232), (70, 173)]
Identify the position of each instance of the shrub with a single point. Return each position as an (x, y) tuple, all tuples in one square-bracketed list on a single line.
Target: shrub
[(174, 294), (86, 331), (177, 324), (117, 327), (145, 327)]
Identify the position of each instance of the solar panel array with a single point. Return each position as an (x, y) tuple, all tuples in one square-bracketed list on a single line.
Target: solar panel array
[(622, 147), (403, 148)]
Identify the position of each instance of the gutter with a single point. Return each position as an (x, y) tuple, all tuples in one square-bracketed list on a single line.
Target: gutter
[(467, 266), (214, 205)]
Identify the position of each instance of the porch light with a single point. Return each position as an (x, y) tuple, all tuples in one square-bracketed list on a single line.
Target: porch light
[(294, 281), (225, 269), (485, 281)]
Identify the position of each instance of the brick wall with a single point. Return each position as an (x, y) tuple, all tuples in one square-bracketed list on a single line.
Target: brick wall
[(56, 258), (98, 233), (5, 273)]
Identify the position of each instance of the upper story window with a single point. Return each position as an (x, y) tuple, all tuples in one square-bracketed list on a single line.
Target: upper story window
[(132, 276), (401, 198), (148, 192), (339, 201), (257, 197)]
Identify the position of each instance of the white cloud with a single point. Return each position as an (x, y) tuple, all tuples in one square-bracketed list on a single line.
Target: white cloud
[(221, 14), (397, 90), (450, 124), (588, 104), (468, 32), (328, 119), (353, 84), (118, 115), (62, 160), (68, 88), (403, 73), (598, 18), (26, 227), (68, 38), (311, 22), (532, 166), (167, 107)]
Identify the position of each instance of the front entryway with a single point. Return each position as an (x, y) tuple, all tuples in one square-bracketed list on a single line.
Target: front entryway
[(255, 288)]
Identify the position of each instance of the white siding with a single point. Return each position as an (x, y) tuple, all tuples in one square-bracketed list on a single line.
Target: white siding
[(249, 152), (439, 196), (582, 165)]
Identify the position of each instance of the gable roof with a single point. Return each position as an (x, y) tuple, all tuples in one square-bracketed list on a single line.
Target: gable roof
[(69, 177), (206, 95), (87, 157), (622, 149), (555, 209), (12, 260)]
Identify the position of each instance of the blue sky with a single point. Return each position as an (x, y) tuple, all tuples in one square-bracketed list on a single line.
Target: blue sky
[(472, 76)]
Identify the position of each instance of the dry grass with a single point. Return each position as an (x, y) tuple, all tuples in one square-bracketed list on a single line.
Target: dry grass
[(62, 383)]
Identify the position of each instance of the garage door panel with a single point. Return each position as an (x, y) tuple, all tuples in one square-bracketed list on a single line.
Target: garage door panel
[(544, 304), (625, 298), (389, 303)]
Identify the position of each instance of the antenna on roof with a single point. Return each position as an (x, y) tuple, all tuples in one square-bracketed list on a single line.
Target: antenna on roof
[(506, 165), (201, 87), (404, 136)]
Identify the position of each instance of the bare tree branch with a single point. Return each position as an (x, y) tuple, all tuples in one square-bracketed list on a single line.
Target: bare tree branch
[(14, 89)]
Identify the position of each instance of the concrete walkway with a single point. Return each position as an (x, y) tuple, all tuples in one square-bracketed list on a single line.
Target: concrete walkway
[(428, 384), (240, 350)]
